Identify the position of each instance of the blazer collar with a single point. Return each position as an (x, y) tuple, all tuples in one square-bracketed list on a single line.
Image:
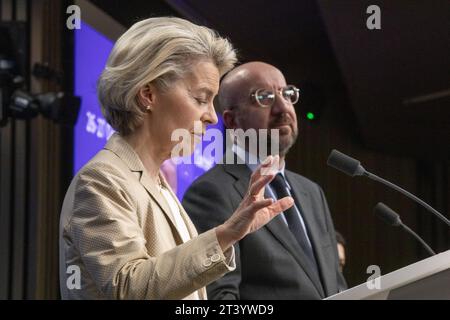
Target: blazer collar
[(125, 152)]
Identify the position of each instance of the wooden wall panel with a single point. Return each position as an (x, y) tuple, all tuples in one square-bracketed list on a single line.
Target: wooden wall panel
[(5, 209), (47, 20), (31, 174)]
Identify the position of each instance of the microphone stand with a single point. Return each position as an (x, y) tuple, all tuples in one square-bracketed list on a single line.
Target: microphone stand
[(408, 194)]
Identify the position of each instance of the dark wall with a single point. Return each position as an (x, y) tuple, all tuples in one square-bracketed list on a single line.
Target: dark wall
[(351, 200)]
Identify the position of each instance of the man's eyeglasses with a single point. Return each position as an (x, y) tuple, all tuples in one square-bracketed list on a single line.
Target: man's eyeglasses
[(266, 98)]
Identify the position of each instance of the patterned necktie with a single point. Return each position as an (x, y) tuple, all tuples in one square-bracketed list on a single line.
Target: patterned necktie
[(280, 186)]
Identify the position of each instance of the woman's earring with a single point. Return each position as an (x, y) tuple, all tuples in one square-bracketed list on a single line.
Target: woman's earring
[(147, 108)]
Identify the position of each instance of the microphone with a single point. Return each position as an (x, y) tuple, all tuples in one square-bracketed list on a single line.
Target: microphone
[(393, 219), (346, 164), (353, 167)]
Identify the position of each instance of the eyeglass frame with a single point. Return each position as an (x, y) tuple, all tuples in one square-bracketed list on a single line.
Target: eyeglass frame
[(279, 91)]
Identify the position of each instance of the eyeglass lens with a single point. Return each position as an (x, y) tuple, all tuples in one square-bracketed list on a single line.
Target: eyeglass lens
[(267, 97)]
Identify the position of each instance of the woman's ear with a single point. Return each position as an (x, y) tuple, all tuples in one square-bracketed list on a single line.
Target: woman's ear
[(146, 97)]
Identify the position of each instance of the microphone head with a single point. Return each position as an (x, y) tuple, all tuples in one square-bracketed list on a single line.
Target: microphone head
[(344, 163), (387, 214)]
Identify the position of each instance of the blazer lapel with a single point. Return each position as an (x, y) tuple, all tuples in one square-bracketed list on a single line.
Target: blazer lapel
[(277, 226), (187, 221), (189, 225), (152, 189), (125, 152)]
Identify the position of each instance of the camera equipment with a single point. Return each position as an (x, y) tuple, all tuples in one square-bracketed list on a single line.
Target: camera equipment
[(15, 100)]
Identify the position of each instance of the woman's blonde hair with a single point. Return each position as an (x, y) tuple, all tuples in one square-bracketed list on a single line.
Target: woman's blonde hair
[(159, 51)]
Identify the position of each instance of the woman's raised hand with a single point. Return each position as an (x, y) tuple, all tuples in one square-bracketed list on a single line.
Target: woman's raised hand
[(254, 211)]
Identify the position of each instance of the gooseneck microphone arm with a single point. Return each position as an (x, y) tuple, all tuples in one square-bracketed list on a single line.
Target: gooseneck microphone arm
[(392, 218), (427, 247), (408, 194), (353, 167)]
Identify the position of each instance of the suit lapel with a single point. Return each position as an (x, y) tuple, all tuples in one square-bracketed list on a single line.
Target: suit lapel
[(279, 230), (304, 205), (277, 226)]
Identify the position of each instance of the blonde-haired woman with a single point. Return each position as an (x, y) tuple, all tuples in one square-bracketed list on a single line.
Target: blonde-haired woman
[(123, 232)]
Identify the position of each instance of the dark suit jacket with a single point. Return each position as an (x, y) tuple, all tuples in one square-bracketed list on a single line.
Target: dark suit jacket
[(270, 264)]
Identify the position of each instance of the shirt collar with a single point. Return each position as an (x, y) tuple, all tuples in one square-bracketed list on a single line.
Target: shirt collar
[(252, 161)]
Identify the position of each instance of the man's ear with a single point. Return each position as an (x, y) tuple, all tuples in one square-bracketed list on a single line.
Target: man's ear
[(229, 119), (146, 96)]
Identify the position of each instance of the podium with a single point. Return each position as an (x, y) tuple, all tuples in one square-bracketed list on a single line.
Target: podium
[(426, 279)]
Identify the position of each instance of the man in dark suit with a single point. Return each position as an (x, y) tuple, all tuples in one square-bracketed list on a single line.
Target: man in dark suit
[(294, 256)]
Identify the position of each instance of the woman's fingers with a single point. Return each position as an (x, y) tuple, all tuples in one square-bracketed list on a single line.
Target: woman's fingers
[(269, 166), (281, 205), (259, 185), (274, 206), (258, 205)]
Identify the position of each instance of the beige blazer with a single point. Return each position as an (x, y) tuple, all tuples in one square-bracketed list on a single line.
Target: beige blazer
[(118, 238)]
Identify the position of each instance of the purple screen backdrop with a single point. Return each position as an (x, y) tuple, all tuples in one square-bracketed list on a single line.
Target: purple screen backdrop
[(91, 131)]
